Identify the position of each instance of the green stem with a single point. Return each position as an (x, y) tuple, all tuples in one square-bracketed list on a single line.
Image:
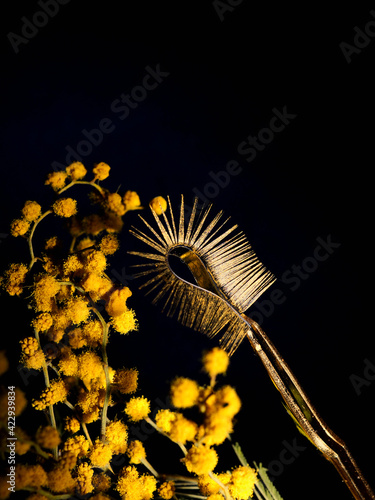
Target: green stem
[(89, 183), (86, 432), (106, 371), (47, 382), (30, 238)]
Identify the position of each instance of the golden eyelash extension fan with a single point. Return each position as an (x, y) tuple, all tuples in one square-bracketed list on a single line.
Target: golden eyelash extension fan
[(229, 278)]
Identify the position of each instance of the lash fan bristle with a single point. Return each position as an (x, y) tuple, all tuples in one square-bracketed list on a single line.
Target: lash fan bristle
[(238, 276), (229, 278)]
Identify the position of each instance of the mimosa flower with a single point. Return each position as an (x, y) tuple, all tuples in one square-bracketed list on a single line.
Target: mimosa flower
[(136, 452), (19, 227), (65, 207), (76, 171), (31, 210), (101, 171), (200, 459), (137, 408), (131, 200), (56, 180), (158, 205), (184, 392)]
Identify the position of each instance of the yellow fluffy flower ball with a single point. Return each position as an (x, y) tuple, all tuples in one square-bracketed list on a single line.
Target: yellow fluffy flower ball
[(158, 205), (95, 261), (126, 380), (132, 486), (101, 171), (55, 393), (215, 361), (241, 485), (77, 310), (200, 459), (182, 429), (42, 322), (72, 425), (109, 244), (136, 452), (131, 200), (84, 479), (76, 170), (114, 203), (19, 227), (13, 278), (227, 401), (31, 210), (56, 180), (65, 207), (164, 420), (137, 408), (166, 490), (117, 436), (76, 445), (46, 287), (116, 304), (184, 392), (100, 454), (125, 322)]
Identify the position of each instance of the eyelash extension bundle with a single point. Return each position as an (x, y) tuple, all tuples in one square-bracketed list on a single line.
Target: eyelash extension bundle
[(229, 278)]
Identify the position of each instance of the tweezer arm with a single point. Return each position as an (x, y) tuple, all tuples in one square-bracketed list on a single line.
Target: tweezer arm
[(305, 415)]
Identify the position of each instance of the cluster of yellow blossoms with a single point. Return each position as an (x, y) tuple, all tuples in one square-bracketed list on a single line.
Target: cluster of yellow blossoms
[(75, 307)]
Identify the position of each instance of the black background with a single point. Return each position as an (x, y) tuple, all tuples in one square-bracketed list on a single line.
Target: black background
[(313, 180)]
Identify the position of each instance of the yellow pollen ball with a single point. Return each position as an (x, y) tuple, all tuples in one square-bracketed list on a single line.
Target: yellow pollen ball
[(72, 425), (166, 490), (164, 420), (114, 203), (19, 227), (182, 429), (77, 310), (131, 201), (56, 180), (158, 205), (117, 436), (137, 408), (116, 304), (215, 361), (95, 262), (200, 459), (125, 323), (242, 482), (31, 210), (14, 278), (101, 171), (84, 478), (136, 452), (126, 380), (42, 322), (100, 454), (109, 244), (76, 170), (65, 207), (184, 392)]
